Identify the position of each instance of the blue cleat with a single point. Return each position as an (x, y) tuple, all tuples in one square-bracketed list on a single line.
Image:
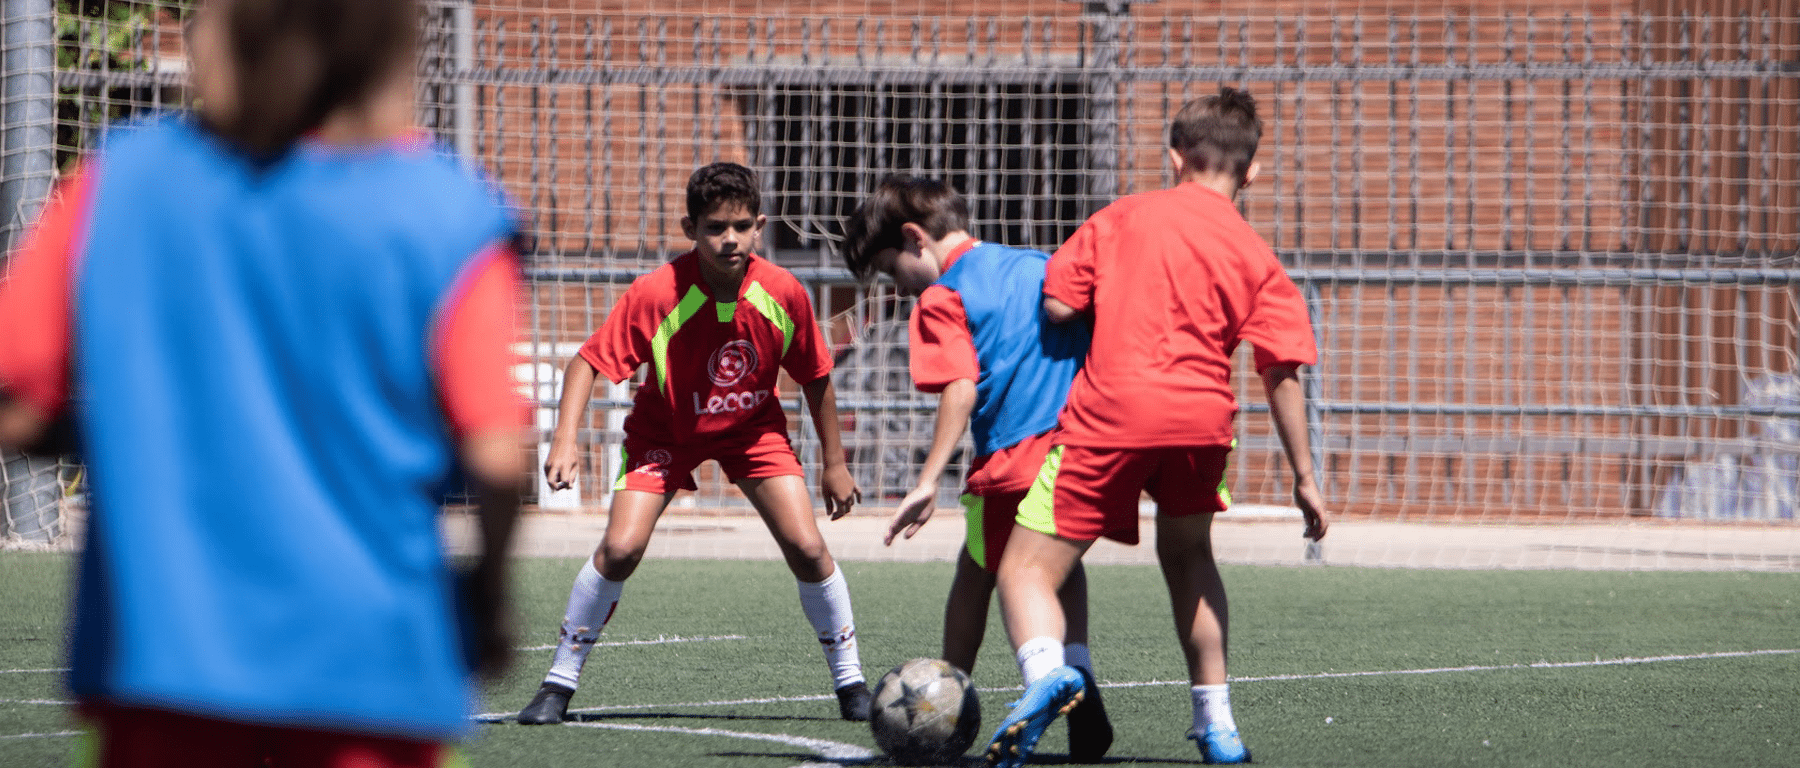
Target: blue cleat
[(1018, 735), (1220, 746)]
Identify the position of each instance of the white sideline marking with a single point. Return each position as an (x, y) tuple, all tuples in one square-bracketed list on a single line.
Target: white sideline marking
[(1476, 668), (836, 751), (31, 671), (820, 745), (37, 701), (660, 640)]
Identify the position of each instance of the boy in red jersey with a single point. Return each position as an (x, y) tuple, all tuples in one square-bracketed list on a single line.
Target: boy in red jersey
[(717, 326), (978, 337), (1179, 266)]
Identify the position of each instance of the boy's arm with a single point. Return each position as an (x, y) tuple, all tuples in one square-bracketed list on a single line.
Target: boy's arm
[(835, 482), (955, 403), (495, 463), (562, 466), (1287, 405), (1057, 311)]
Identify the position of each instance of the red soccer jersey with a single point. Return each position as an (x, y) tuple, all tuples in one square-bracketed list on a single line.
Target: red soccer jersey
[(940, 349), (713, 364), (1173, 280)]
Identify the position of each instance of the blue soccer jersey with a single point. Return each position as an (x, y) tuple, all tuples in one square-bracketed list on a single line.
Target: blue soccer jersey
[(255, 386)]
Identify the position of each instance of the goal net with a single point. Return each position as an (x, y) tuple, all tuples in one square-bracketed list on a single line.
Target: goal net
[(1551, 253)]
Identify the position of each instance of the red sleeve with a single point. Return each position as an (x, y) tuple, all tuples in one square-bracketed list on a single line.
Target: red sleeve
[(35, 300), (1069, 277), (808, 357), (623, 341), (941, 348), (474, 356), (1279, 326)]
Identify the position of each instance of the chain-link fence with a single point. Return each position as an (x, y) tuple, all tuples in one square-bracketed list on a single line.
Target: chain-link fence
[(1551, 249)]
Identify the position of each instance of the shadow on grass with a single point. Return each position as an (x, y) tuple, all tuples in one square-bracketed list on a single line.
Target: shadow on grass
[(971, 760)]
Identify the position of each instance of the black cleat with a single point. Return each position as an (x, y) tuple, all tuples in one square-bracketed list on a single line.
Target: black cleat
[(550, 705), (854, 701), (1090, 732)]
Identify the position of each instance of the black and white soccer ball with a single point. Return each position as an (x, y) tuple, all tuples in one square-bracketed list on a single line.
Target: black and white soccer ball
[(925, 712)]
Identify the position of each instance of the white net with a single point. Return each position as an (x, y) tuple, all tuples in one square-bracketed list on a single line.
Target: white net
[(1551, 250)]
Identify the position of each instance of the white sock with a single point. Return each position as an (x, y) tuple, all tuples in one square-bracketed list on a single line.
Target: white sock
[(1037, 657), (592, 600), (1076, 655), (1212, 706), (827, 607)]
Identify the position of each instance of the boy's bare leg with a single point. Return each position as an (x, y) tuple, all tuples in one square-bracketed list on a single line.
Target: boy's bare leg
[(628, 527), (1202, 622), (1196, 593), (593, 597), (786, 508), (1073, 597), (1032, 571), (966, 611), (785, 505)]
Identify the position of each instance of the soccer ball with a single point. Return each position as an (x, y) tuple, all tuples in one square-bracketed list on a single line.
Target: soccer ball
[(925, 712)]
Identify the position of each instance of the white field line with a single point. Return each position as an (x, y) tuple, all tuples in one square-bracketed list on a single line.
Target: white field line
[(660, 640), (31, 671), (835, 751), (50, 702), (39, 735), (1264, 679), (799, 741)]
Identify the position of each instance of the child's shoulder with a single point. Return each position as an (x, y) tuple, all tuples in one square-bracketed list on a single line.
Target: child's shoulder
[(775, 278)]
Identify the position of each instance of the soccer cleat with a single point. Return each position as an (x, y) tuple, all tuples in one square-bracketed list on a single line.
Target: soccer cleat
[(550, 705), (1090, 732), (1220, 746), (854, 701), (1018, 734)]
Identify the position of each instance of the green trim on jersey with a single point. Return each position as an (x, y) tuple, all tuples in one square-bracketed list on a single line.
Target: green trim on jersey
[(726, 310), (1038, 511), (765, 303), (665, 330), (976, 543)]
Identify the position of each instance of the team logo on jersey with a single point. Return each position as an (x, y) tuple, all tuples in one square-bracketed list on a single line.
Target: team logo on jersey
[(655, 463), (730, 362)]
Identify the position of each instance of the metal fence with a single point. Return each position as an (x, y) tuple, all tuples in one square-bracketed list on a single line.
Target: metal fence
[(1551, 256)]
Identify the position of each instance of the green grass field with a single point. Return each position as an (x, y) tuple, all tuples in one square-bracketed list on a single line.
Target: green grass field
[(1336, 667)]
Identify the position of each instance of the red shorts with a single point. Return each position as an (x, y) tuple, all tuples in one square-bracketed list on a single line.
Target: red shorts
[(1085, 493), (662, 468), (131, 737), (990, 521), (997, 483)]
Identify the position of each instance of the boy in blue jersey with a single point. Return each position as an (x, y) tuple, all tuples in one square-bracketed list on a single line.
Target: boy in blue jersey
[(978, 338), (274, 375)]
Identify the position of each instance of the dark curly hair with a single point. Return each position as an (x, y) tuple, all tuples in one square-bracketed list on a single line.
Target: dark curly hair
[(720, 183)]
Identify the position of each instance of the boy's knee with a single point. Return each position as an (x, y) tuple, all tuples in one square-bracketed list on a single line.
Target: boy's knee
[(617, 560)]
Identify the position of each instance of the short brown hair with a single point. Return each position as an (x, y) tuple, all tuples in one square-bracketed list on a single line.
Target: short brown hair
[(898, 200), (297, 61), (1218, 134)]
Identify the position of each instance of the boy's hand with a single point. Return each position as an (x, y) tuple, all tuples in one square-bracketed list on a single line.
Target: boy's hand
[(1312, 506), (562, 465), (839, 490), (914, 511)]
